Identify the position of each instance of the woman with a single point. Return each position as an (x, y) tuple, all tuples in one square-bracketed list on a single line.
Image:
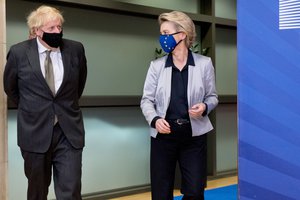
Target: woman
[(179, 93)]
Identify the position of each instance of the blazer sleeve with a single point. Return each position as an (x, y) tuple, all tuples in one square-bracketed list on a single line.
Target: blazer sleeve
[(148, 99), (10, 77), (211, 97)]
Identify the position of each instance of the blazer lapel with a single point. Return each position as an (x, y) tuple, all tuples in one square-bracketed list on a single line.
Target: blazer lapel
[(34, 60), (67, 63)]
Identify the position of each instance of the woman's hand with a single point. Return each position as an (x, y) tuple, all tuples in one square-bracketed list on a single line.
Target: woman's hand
[(197, 110), (162, 126)]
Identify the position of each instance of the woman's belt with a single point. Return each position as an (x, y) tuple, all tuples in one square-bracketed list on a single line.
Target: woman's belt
[(179, 121)]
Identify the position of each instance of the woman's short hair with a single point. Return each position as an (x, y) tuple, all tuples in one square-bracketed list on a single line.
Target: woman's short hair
[(182, 23), (41, 16)]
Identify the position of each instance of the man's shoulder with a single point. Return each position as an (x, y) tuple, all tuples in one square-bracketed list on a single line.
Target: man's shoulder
[(22, 47), (68, 42), (72, 45), (24, 44)]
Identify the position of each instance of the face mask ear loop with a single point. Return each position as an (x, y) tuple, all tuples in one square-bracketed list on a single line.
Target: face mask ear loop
[(175, 33), (178, 41), (170, 34), (176, 45)]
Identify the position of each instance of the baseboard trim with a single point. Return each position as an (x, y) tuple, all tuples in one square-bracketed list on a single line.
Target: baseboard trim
[(223, 174), (109, 194), (115, 193)]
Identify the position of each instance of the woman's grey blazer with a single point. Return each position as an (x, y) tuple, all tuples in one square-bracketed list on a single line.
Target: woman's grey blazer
[(201, 88)]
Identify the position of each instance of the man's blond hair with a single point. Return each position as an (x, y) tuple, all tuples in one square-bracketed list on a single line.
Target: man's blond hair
[(41, 16)]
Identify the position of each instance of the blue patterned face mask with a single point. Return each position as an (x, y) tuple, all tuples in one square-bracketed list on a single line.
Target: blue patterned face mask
[(167, 42)]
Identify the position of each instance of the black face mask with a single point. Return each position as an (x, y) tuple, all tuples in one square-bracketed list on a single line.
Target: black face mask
[(53, 39)]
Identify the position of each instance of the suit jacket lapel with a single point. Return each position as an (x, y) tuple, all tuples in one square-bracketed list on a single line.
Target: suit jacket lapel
[(33, 57), (34, 60), (66, 58)]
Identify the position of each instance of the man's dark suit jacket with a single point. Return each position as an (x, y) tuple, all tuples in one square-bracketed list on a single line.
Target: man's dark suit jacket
[(25, 85)]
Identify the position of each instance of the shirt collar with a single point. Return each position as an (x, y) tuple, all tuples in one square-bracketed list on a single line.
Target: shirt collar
[(190, 60)]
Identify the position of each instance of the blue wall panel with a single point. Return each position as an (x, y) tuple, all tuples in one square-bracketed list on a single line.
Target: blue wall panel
[(268, 100)]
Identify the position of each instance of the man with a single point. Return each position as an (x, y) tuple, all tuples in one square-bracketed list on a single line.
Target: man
[(45, 77)]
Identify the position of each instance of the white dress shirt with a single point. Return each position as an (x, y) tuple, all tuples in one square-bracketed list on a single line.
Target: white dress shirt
[(58, 68)]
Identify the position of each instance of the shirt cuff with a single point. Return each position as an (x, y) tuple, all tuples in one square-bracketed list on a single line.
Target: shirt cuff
[(205, 111), (154, 121)]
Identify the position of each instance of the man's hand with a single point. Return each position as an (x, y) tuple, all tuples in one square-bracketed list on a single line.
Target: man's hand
[(162, 126)]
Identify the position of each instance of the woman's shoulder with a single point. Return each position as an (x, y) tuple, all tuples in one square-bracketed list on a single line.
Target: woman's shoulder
[(160, 59), (159, 62), (201, 59)]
